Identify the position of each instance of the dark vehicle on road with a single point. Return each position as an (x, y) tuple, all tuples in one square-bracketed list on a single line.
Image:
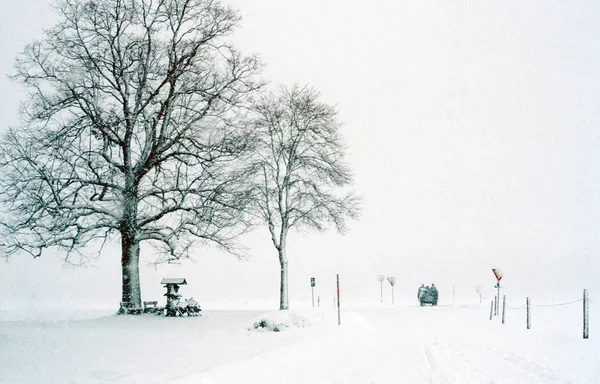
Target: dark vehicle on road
[(428, 295)]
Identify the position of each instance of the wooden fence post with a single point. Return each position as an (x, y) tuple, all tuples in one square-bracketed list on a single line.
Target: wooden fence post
[(503, 307), (528, 302), (586, 319)]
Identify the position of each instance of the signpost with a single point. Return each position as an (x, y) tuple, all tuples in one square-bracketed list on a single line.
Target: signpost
[(392, 281), (380, 278), (312, 288), (498, 275)]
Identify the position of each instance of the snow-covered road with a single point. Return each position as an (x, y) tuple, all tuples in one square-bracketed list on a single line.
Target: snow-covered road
[(406, 344), (416, 345)]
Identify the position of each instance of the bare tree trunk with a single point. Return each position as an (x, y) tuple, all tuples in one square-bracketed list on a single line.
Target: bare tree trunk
[(283, 288), (297, 167), (131, 297)]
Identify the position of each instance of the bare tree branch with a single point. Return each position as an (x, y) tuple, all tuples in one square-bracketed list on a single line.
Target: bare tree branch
[(299, 178), (131, 128)]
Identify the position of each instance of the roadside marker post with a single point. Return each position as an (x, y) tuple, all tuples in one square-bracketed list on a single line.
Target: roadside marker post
[(503, 307), (453, 294), (338, 298), (528, 304), (312, 288), (586, 314)]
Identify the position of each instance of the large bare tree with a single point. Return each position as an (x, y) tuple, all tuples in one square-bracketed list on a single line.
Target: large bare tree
[(130, 129), (300, 178)]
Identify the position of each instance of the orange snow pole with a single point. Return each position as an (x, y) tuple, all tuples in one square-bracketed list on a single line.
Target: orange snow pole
[(338, 297)]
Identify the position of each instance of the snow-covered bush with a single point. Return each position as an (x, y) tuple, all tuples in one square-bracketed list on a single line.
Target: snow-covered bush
[(278, 320)]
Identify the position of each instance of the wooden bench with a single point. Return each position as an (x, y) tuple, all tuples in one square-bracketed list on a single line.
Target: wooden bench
[(129, 308), (151, 307)]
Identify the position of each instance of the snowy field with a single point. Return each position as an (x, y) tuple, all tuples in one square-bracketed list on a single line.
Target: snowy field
[(404, 344)]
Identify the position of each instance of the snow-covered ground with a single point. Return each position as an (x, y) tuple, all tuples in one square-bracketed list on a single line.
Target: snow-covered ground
[(403, 344)]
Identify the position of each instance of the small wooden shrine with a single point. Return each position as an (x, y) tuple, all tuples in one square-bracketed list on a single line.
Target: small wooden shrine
[(173, 296)]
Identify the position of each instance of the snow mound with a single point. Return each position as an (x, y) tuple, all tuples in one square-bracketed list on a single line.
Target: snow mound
[(276, 321), (354, 320)]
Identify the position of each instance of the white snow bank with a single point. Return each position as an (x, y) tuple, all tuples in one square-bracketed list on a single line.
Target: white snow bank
[(278, 320)]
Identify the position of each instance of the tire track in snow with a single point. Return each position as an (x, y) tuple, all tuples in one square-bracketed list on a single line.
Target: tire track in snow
[(450, 359), (475, 351), (434, 373), (435, 376), (547, 374)]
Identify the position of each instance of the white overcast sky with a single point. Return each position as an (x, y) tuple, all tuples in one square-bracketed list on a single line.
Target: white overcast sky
[(473, 131)]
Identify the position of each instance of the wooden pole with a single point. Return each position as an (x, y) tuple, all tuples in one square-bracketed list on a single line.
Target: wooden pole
[(491, 309), (338, 298), (528, 303), (503, 307), (586, 319)]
